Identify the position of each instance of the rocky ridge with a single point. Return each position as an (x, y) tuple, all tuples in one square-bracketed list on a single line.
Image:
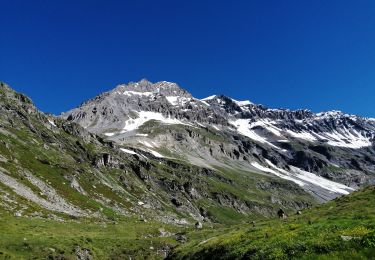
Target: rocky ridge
[(327, 154)]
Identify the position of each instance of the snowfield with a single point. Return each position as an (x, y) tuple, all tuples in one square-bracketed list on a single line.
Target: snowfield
[(348, 138), (304, 178), (177, 101), (244, 127), (132, 93), (128, 151), (145, 116)]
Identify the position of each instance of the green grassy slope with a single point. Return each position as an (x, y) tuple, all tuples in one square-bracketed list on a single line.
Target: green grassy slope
[(32, 238), (341, 229)]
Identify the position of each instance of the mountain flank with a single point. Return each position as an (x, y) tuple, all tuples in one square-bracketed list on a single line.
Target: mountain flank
[(151, 159)]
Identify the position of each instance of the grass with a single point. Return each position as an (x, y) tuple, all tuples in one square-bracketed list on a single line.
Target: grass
[(31, 238), (341, 229)]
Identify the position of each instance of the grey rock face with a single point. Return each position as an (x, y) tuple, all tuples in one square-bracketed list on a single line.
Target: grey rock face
[(224, 132), (163, 88), (110, 110)]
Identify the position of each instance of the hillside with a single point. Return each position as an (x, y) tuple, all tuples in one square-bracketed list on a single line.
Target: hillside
[(340, 229)]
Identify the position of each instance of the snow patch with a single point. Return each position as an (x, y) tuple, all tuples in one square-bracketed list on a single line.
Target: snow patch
[(208, 98), (349, 139), (146, 143), (244, 127), (303, 178), (268, 126), (51, 122), (242, 103), (322, 182), (156, 154), (302, 135), (283, 174), (132, 93), (177, 101), (128, 151), (144, 116), (144, 135), (332, 113), (205, 103)]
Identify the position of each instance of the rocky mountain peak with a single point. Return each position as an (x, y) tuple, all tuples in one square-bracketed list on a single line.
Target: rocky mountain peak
[(146, 87), (123, 111), (222, 99)]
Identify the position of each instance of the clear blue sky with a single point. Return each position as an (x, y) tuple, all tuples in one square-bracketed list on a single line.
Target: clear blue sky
[(313, 54)]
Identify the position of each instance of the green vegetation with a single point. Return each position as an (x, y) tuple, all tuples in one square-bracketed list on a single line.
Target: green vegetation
[(32, 238), (341, 229)]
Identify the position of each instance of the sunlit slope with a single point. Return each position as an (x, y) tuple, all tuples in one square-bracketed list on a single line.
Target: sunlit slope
[(341, 229)]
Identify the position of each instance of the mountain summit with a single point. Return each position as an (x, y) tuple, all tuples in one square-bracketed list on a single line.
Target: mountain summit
[(144, 86)]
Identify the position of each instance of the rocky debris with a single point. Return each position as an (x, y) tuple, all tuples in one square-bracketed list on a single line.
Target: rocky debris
[(75, 185), (53, 196), (281, 214), (3, 159), (164, 233), (77, 130), (181, 237), (102, 160), (198, 225), (348, 238), (203, 212), (18, 214), (230, 200), (54, 202), (164, 251), (83, 253), (191, 191)]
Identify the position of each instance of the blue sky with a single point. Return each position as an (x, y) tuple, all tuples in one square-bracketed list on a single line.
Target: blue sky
[(318, 55)]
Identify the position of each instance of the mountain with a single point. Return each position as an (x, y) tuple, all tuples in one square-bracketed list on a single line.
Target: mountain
[(53, 167), (129, 172), (327, 154)]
